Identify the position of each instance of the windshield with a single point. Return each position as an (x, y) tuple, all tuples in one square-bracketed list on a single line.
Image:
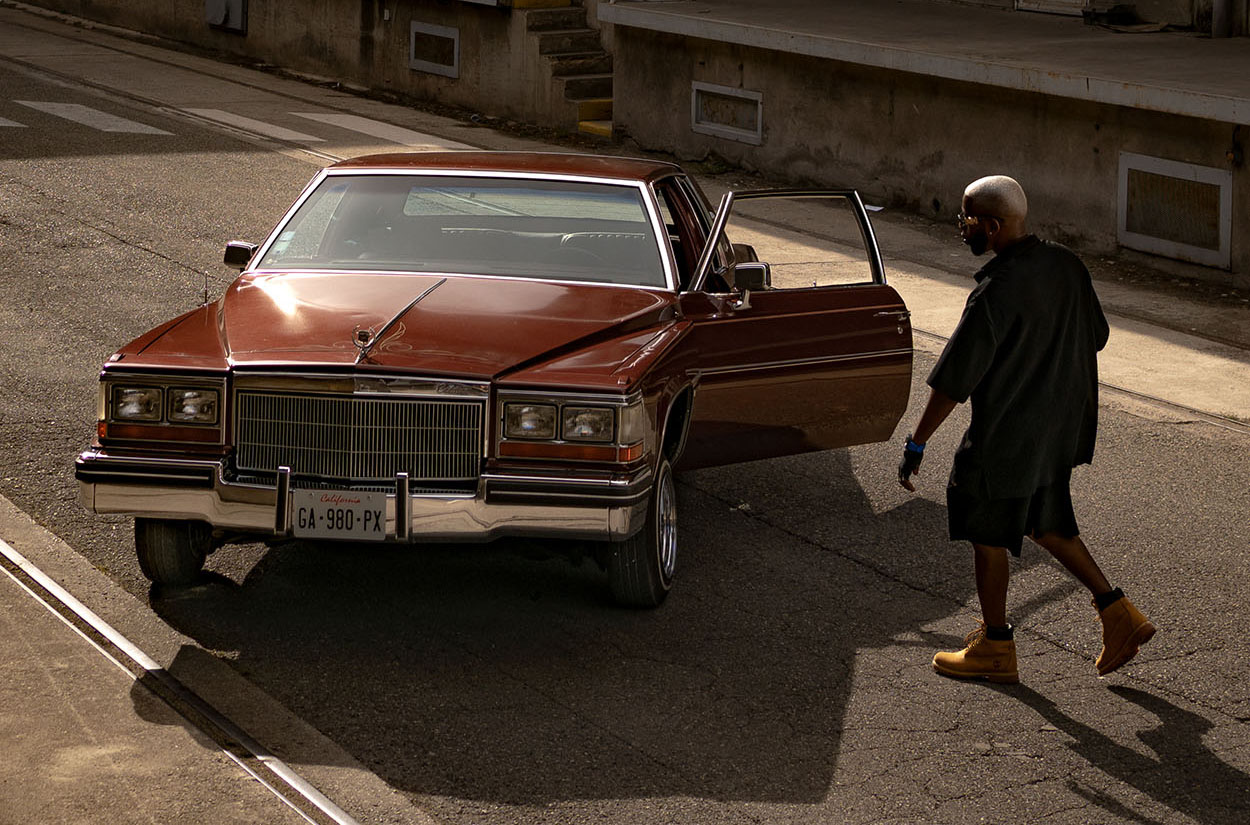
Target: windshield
[(562, 230)]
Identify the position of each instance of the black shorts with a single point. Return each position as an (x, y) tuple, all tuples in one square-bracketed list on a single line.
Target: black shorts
[(1004, 522)]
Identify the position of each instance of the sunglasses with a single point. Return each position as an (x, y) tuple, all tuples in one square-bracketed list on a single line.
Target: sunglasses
[(967, 221)]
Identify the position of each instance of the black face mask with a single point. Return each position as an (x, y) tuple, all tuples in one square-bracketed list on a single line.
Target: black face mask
[(978, 243)]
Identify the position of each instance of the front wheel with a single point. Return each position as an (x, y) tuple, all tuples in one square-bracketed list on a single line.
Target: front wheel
[(640, 568), (172, 552)]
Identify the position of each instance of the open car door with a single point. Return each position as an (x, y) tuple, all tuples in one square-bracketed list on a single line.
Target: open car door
[(799, 342)]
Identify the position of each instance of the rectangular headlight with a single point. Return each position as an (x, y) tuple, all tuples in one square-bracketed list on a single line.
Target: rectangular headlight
[(529, 421), (193, 406), (588, 424), (136, 403)]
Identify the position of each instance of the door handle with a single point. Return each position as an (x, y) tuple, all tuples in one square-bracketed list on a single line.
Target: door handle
[(900, 315)]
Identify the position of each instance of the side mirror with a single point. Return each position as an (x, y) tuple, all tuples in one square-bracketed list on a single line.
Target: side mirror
[(239, 253), (752, 275), (744, 252)]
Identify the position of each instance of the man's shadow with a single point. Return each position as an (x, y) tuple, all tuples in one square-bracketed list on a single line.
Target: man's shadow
[(1184, 775)]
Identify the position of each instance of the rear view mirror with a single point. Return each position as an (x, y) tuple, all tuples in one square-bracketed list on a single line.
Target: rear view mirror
[(239, 253)]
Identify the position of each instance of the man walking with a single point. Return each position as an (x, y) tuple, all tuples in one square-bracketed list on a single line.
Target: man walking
[(1025, 352)]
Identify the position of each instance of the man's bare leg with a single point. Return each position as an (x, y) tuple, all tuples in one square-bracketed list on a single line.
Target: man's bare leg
[(1124, 628), (1076, 559), (992, 576)]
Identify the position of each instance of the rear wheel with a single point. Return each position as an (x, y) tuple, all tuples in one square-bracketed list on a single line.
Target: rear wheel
[(640, 569), (172, 552)]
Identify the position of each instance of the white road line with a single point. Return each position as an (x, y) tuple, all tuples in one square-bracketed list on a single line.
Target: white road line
[(258, 127), (94, 118), (385, 131), (12, 123)]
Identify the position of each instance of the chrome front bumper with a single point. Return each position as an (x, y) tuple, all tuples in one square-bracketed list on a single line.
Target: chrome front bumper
[(604, 507)]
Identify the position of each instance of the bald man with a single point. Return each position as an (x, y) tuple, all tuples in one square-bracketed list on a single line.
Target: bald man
[(1025, 353)]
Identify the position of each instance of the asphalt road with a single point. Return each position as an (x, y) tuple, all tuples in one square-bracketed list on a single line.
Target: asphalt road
[(786, 680)]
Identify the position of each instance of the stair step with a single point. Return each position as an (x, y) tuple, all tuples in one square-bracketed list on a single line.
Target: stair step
[(564, 65), (559, 19), (599, 108), (600, 128), (588, 85), (567, 41)]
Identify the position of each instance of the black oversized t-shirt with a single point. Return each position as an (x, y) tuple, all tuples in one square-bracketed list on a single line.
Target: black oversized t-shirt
[(1025, 352)]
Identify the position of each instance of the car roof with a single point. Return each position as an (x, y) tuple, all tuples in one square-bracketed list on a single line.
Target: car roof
[(557, 163)]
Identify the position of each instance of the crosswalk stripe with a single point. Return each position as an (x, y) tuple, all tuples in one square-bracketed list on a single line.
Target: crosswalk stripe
[(6, 122), (94, 118), (385, 131), (259, 127)]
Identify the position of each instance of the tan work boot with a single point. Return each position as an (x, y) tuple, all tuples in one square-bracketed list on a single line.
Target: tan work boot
[(1124, 631), (983, 658)]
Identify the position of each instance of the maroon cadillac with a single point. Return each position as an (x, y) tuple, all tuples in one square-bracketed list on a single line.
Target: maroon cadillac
[(451, 347)]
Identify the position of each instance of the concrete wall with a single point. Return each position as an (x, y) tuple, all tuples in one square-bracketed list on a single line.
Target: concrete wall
[(501, 72), (911, 141), (905, 140)]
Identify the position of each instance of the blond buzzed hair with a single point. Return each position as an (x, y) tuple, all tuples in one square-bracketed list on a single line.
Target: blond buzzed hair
[(998, 195)]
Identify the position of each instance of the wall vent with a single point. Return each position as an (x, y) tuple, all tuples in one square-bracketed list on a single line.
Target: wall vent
[(737, 114), (228, 15), (1177, 210), (434, 49)]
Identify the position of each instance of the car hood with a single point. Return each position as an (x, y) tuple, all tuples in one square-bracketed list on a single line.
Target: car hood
[(466, 326)]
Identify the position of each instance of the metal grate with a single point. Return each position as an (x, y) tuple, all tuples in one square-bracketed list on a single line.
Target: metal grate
[(723, 111), (1180, 210), (359, 440), (1174, 209)]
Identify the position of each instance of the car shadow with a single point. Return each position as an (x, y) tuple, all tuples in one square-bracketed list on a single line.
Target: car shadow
[(477, 673)]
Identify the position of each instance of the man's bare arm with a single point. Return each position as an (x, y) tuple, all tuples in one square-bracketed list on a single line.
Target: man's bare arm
[(935, 412)]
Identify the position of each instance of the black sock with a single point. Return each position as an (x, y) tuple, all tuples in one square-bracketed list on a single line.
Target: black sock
[(999, 634), (1105, 600)]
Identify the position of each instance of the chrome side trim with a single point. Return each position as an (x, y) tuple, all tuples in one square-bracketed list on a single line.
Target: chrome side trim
[(801, 362)]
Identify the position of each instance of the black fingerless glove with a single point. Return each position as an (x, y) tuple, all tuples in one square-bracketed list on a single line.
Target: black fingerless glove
[(913, 454)]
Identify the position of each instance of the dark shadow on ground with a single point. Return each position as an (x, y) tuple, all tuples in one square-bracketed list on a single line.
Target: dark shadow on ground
[(476, 673), (1184, 774)]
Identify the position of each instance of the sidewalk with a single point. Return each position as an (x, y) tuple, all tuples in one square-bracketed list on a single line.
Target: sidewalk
[(84, 742)]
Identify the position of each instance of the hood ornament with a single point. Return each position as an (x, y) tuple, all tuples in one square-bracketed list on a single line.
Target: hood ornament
[(362, 338), (365, 339)]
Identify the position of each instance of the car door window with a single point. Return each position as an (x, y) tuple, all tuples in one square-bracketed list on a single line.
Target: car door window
[(807, 242), (685, 231)]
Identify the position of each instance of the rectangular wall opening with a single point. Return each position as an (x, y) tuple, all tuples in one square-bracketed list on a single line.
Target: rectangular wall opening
[(723, 111), (434, 49), (1177, 210)]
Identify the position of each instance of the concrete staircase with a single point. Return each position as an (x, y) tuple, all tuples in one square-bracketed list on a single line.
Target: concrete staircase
[(577, 61)]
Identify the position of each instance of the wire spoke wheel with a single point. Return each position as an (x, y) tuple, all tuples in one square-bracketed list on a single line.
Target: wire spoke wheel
[(641, 568)]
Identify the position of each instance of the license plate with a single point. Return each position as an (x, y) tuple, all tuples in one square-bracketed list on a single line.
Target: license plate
[(327, 514)]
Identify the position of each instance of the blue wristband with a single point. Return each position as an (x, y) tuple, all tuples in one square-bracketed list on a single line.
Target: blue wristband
[(913, 446)]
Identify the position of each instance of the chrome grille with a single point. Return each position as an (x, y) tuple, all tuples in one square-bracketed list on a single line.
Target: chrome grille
[(358, 439)]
